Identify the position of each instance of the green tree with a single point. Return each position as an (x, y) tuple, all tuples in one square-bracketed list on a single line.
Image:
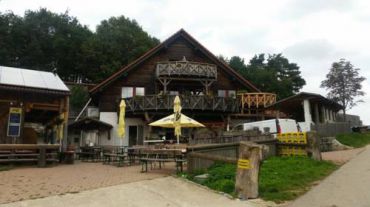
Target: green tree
[(79, 97), (117, 42), (344, 84), (274, 74), (43, 40)]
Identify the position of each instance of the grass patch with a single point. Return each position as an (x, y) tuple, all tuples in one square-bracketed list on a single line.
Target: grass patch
[(285, 178), (354, 139), (281, 178), (4, 168)]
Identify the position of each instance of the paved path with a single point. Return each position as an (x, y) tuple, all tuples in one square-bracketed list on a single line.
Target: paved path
[(348, 186), (32, 182), (167, 191)]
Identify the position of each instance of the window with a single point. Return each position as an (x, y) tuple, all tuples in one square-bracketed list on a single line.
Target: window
[(227, 93), (232, 93), (128, 92), (140, 91), (222, 93)]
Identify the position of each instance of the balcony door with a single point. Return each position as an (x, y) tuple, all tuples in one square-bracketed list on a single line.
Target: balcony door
[(135, 135)]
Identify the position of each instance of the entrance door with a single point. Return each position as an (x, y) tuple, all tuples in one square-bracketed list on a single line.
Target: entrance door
[(132, 135)]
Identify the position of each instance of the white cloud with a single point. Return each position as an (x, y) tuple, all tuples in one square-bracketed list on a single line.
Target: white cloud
[(310, 33)]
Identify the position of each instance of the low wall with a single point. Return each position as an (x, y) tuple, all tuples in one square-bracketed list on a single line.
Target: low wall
[(227, 150)]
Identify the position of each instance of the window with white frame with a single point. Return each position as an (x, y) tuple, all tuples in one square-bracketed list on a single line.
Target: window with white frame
[(227, 93), (128, 92), (139, 91)]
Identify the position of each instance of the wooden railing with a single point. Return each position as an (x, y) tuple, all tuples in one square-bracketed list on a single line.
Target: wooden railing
[(256, 100), (165, 102), (186, 68)]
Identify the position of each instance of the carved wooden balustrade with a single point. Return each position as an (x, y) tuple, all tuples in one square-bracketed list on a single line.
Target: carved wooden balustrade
[(165, 102), (186, 69)]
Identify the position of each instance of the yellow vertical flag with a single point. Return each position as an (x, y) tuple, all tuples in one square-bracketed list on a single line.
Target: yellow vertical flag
[(177, 117), (121, 120)]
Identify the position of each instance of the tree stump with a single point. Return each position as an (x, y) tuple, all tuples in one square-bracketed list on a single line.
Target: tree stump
[(246, 184)]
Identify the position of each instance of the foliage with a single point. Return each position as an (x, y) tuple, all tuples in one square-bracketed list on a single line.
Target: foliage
[(43, 40), (344, 84), (79, 97), (354, 139), (280, 178), (274, 74)]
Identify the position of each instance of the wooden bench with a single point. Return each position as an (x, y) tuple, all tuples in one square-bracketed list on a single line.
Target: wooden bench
[(28, 153)]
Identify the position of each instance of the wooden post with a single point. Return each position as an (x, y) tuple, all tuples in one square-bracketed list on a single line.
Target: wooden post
[(42, 157), (246, 184), (313, 145)]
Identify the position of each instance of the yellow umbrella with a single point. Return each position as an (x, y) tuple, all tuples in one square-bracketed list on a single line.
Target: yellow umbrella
[(121, 120), (168, 122), (177, 116), (61, 127)]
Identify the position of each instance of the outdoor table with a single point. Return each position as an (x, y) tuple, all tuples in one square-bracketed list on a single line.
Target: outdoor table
[(161, 156)]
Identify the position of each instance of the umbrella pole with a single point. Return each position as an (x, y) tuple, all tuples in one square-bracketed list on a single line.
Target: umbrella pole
[(178, 139)]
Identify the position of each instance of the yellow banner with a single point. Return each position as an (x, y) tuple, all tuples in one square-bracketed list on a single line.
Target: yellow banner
[(244, 164), (15, 110)]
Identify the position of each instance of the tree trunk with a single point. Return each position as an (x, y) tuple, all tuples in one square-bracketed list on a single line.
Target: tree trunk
[(246, 184), (344, 115)]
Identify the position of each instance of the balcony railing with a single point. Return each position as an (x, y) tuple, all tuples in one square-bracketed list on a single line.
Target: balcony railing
[(165, 102), (186, 69)]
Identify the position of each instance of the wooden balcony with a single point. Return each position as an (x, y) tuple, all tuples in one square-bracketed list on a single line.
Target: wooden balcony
[(186, 69), (256, 100), (165, 102)]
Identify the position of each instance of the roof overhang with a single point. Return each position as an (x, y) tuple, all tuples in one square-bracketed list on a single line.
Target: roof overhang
[(294, 102)]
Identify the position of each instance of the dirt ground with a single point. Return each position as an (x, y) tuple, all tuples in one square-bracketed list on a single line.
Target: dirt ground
[(31, 182), (341, 157)]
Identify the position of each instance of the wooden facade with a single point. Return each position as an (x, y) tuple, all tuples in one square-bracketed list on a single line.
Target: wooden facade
[(208, 88), (189, 68)]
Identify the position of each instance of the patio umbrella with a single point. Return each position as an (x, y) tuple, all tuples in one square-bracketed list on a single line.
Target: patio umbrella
[(169, 122), (121, 120), (177, 116)]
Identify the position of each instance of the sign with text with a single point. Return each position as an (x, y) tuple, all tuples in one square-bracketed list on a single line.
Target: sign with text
[(14, 122), (244, 164)]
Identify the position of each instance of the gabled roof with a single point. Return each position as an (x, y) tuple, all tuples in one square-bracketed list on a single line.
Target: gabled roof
[(31, 80), (164, 44), (287, 103)]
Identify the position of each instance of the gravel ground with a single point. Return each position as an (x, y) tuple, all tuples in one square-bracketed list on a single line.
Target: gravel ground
[(32, 182)]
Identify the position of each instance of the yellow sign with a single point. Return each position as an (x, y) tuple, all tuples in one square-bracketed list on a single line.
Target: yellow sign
[(15, 110), (244, 164)]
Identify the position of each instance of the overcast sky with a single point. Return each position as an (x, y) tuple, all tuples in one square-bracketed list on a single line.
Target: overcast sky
[(310, 33)]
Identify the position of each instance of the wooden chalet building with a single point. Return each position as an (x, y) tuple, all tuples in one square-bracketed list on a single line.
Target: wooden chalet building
[(210, 91)]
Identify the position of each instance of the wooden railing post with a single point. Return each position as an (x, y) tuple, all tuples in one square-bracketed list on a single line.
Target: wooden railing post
[(246, 183)]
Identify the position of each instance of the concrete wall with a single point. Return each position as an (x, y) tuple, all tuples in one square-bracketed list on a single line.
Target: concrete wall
[(112, 118)]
